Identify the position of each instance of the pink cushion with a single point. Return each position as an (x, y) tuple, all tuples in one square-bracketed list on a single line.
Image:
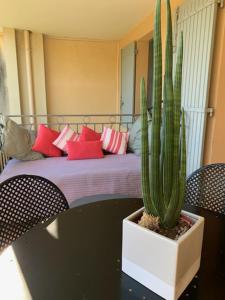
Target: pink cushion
[(44, 140), (84, 150), (114, 141), (88, 134), (67, 134)]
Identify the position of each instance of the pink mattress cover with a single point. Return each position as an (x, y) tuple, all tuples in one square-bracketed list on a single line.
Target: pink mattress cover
[(114, 174)]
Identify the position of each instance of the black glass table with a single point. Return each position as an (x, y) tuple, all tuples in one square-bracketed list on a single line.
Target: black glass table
[(77, 256)]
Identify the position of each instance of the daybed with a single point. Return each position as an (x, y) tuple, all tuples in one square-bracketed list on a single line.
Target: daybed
[(112, 175)]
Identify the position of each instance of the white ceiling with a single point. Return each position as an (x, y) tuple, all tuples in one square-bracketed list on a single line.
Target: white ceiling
[(93, 19)]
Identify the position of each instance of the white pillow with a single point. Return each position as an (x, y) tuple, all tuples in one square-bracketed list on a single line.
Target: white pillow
[(67, 134)]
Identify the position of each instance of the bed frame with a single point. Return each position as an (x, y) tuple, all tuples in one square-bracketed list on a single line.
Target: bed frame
[(121, 122)]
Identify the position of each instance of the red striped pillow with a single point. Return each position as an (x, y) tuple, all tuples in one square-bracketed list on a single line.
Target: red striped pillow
[(114, 141), (67, 134)]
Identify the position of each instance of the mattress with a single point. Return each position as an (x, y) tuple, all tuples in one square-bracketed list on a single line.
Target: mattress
[(114, 174)]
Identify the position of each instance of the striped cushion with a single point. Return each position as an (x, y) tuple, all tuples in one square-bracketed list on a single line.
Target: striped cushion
[(67, 134), (114, 141)]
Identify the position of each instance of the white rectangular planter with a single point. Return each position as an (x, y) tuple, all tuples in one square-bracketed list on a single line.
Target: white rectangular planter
[(163, 265)]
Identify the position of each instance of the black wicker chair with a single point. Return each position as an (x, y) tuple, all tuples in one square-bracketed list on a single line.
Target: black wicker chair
[(26, 200), (206, 188)]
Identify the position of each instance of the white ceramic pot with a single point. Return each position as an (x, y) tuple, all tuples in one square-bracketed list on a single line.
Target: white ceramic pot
[(163, 265)]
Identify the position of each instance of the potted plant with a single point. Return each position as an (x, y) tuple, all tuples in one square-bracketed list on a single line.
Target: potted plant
[(161, 243)]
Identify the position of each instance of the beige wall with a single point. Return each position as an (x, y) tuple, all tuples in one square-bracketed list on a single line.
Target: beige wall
[(21, 61), (25, 75), (145, 27), (215, 138), (81, 76), (38, 71), (1, 39), (67, 76), (215, 132), (3, 89), (12, 82)]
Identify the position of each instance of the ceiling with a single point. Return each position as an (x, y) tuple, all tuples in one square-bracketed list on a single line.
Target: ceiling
[(92, 19)]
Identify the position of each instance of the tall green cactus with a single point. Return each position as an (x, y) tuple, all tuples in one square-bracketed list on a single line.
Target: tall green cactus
[(163, 180)]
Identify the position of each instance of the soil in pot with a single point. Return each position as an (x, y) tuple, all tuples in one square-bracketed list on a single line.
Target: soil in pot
[(152, 223)]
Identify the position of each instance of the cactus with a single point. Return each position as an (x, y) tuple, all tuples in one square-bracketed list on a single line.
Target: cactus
[(164, 176)]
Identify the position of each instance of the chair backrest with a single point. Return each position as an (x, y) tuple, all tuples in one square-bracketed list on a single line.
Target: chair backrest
[(206, 188), (26, 200)]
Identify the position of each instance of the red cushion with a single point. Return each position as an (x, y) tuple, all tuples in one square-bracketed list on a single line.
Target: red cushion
[(44, 140), (88, 134), (84, 150)]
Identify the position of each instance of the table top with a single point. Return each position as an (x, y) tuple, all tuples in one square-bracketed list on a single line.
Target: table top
[(78, 256)]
